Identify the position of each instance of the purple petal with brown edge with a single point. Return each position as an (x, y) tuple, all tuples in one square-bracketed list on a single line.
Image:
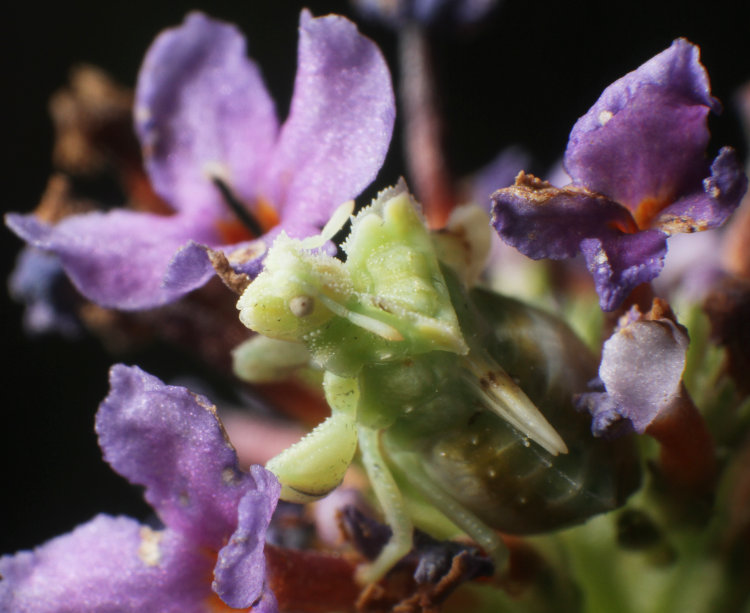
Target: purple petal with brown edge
[(108, 564), (340, 122), (543, 221), (202, 110), (170, 441), (709, 207), (620, 262), (240, 573), (500, 172), (642, 144)]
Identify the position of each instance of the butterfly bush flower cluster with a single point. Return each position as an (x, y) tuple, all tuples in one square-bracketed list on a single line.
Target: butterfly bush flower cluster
[(227, 185)]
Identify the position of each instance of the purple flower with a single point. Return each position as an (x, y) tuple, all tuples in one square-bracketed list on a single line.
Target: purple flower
[(39, 282), (637, 161), (641, 371), (399, 12), (211, 138), (169, 441)]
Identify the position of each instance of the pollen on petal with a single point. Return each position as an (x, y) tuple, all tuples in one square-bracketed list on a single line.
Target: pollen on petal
[(149, 551)]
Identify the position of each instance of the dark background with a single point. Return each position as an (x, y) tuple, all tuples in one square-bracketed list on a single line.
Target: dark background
[(523, 77)]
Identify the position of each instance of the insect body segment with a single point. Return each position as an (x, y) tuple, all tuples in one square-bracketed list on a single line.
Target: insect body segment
[(440, 384)]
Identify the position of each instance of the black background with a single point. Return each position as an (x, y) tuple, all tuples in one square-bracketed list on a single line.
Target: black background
[(523, 77)]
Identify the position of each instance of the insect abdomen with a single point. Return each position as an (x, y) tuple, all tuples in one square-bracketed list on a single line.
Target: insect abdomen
[(480, 460)]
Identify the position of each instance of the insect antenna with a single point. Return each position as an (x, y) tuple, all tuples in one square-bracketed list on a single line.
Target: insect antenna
[(335, 223)]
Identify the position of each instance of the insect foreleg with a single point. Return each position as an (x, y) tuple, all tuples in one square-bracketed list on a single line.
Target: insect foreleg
[(409, 465), (261, 359), (503, 396), (392, 503), (314, 466)]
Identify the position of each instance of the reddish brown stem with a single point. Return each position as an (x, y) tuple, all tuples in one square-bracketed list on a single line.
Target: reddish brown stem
[(423, 128), (688, 456)]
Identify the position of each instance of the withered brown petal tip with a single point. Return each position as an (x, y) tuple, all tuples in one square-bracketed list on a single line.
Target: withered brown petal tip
[(235, 281)]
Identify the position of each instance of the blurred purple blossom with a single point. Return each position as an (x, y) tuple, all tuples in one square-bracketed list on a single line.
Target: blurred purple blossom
[(640, 374), (40, 283), (169, 441), (209, 134), (399, 12), (637, 161)]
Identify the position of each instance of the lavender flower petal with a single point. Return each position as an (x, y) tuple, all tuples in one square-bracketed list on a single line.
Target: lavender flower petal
[(39, 282), (117, 259), (710, 206), (641, 369), (202, 109), (240, 573), (642, 144), (340, 122), (170, 441), (543, 221), (108, 564), (620, 262)]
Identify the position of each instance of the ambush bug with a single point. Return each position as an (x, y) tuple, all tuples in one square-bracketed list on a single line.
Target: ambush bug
[(463, 394)]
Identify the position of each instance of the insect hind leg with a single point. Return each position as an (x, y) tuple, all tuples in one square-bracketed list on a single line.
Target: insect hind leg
[(409, 465), (392, 503)]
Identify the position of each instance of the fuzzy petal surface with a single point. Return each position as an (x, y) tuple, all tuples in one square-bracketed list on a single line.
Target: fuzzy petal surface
[(620, 262), (117, 259), (643, 143), (543, 221), (240, 574), (711, 205), (339, 127), (170, 441), (641, 369), (108, 565), (202, 110)]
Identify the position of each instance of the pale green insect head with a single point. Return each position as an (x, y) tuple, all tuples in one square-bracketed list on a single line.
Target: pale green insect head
[(389, 295), (284, 301)]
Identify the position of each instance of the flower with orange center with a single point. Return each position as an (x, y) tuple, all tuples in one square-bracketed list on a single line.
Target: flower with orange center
[(214, 151), (639, 171)]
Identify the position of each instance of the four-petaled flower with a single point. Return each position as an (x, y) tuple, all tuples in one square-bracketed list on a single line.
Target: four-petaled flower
[(210, 135), (637, 160), (215, 517)]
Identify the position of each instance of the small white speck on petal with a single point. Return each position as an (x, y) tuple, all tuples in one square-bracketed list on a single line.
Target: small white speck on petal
[(604, 117), (149, 551)]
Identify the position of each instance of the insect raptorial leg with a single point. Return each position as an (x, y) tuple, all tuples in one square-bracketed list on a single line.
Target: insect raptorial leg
[(394, 509), (314, 466), (480, 532), (505, 398)]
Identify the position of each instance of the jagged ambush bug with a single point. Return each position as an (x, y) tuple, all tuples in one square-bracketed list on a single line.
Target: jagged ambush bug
[(462, 394)]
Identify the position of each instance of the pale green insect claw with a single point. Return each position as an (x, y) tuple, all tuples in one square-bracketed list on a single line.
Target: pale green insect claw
[(504, 397), (315, 466), (261, 359)]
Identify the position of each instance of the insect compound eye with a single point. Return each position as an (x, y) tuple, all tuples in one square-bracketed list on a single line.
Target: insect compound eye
[(301, 306)]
